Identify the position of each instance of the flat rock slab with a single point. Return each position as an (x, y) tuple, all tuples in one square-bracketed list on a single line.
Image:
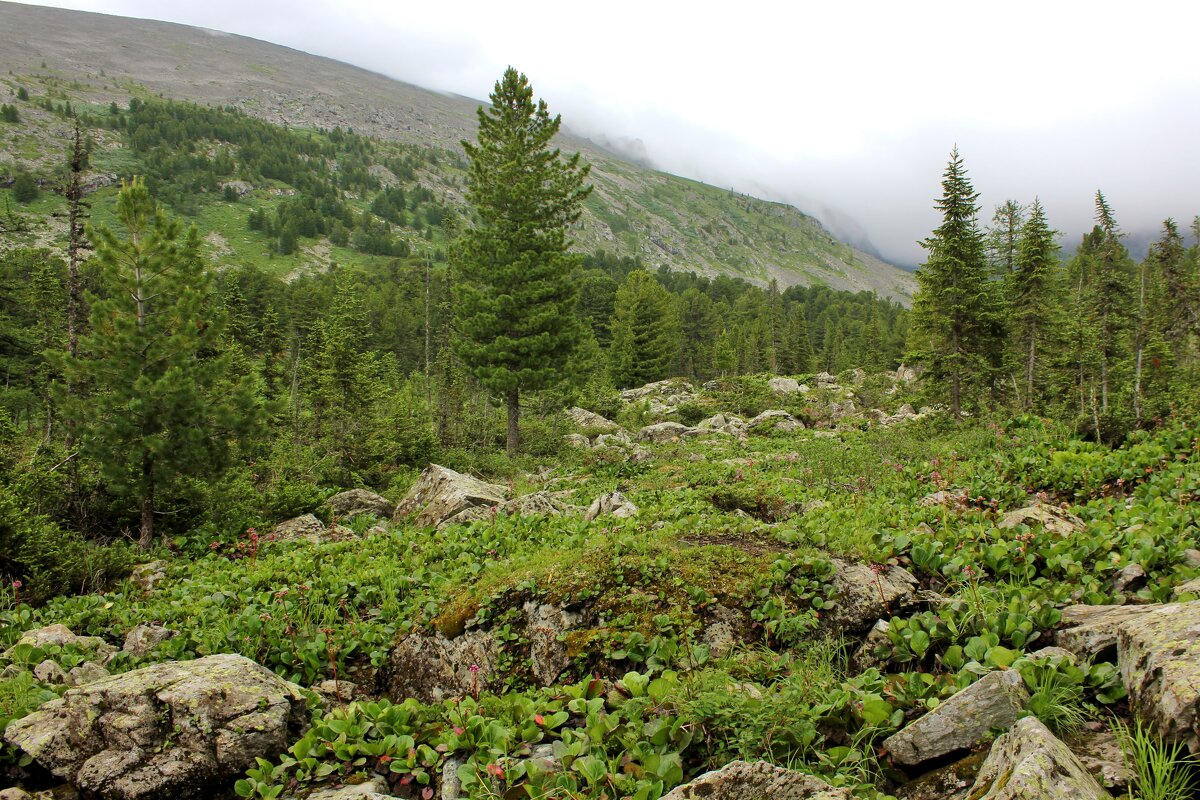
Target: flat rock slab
[(1090, 631), (1052, 518), (176, 731), (440, 494), (1158, 653), (743, 780), (1029, 763), (964, 721)]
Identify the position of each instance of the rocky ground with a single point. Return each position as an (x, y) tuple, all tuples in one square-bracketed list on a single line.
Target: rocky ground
[(756, 588)]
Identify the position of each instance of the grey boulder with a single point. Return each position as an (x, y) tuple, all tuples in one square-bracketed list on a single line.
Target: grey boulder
[(964, 721), (441, 494), (179, 730), (360, 501), (1029, 763)]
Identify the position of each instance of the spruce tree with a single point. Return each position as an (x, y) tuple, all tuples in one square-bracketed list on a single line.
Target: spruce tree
[(153, 412), (953, 322), (1111, 300), (1032, 296), (645, 332), (798, 347), (517, 306)]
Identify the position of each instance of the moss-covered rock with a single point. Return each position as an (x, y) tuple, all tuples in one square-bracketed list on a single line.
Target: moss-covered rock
[(1029, 763), (1158, 653), (176, 730)]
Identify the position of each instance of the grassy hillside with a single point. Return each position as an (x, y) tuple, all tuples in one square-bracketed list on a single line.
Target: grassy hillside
[(93, 60)]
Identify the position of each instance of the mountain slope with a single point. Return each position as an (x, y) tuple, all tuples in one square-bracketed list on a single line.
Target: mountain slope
[(666, 220)]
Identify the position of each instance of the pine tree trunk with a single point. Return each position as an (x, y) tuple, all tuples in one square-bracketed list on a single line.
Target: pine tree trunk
[(514, 417), (146, 532)]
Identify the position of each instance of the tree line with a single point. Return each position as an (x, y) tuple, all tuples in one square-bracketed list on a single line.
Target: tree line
[(1001, 319)]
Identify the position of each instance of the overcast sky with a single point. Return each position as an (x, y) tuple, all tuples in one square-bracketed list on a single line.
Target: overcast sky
[(846, 109)]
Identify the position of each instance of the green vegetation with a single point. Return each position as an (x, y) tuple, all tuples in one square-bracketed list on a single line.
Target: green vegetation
[(334, 322)]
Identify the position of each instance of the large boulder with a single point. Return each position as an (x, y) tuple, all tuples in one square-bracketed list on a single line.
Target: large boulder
[(1158, 653), (591, 421), (440, 494), (432, 667), (614, 503), (743, 780), (663, 432), (179, 730), (360, 501), (305, 526), (784, 385), (1029, 763), (964, 721), (1090, 632), (775, 420), (868, 593)]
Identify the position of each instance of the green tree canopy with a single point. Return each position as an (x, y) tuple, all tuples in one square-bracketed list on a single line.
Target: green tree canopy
[(518, 304), (158, 406), (953, 323)]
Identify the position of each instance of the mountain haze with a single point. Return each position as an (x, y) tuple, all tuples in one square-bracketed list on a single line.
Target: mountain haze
[(664, 219)]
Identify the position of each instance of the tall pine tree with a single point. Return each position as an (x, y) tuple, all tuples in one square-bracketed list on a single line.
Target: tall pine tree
[(518, 320), (953, 324)]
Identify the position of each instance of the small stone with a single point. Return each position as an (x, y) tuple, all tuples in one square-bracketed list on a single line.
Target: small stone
[(144, 638), (145, 576), (451, 785), (50, 672), (1131, 578), (14, 793), (1191, 557), (85, 673), (784, 385)]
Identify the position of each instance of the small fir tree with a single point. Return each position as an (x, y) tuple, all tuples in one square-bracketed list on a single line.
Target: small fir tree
[(153, 412)]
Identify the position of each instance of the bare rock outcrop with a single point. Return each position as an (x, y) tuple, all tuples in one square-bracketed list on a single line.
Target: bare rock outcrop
[(179, 730), (1029, 763), (1158, 653), (441, 494)]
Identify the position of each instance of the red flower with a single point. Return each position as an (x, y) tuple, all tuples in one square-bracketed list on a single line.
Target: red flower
[(539, 719)]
